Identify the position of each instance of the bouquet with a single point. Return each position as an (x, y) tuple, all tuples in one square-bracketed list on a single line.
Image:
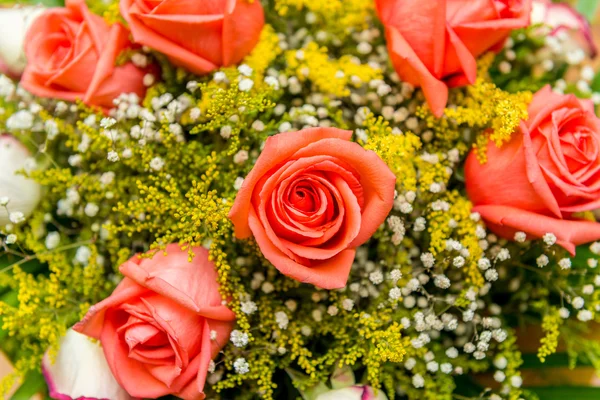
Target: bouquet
[(289, 199)]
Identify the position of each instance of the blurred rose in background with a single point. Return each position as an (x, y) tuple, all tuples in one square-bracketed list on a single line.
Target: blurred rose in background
[(14, 23)]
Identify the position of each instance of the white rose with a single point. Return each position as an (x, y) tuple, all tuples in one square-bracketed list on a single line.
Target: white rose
[(14, 23), (566, 23), (353, 393), (20, 193), (81, 371)]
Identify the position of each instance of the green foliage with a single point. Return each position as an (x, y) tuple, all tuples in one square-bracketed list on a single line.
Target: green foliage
[(588, 8)]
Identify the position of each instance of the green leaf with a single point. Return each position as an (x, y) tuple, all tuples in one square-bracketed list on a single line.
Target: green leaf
[(595, 86), (588, 8), (52, 3), (557, 360), (34, 383), (582, 254), (566, 392), (342, 377), (310, 393), (466, 386)]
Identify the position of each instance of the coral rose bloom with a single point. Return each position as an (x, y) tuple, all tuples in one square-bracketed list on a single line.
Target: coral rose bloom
[(198, 35), (155, 328), (549, 170), (312, 198), (71, 54), (434, 43)]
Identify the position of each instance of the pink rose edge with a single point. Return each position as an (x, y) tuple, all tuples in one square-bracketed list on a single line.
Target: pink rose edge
[(580, 24), (52, 387)]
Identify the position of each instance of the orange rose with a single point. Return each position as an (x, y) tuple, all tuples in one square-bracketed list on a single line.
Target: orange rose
[(434, 43), (312, 198), (549, 170), (71, 54), (157, 325), (198, 35)]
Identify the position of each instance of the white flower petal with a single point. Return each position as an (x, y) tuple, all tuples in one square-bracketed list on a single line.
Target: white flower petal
[(13, 27), (23, 193), (81, 371)]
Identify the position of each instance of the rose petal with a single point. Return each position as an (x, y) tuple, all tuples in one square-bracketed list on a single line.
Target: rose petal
[(376, 179), (146, 36), (535, 176), (348, 232), (277, 149), (426, 26), (201, 35), (92, 324), (327, 274), (412, 70), (131, 374), (241, 30), (71, 56), (190, 284)]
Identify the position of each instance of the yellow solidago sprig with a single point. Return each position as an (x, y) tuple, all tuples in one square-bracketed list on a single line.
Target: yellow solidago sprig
[(551, 324), (338, 17), (492, 113), (328, 75), (397, 149)]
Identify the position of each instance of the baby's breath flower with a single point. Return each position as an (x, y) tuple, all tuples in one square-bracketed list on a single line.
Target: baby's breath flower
[(282, 319), (238, 338), (157, 163), (549, 239), (112, 156), (241, 366), (245, 70), (11, 238), (565, 263), (578, 302), (427, 259), (418, 381), (395, 293), (246, 84), (542, 260), (52, 240), (347, 304), (16, 217)]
